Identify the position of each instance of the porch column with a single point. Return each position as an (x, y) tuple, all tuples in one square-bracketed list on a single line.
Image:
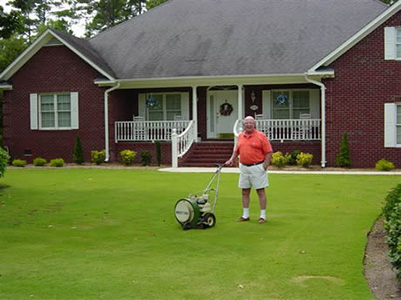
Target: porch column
[(240, 102), (195, 110)]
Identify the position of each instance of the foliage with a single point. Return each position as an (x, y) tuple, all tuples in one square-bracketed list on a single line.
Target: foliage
[(78, 156), (39, 162), (343, 158), (292, 159), (153, 3), (278, 159), (127, 157), (9, 23), (57, 162), (98, 157), (384, 165), (146, 158), (304, 159), (4, 158), (392, 224), (19, 163), (158, 153), (10, 49)]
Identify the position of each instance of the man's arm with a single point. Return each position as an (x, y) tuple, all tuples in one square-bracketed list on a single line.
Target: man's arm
[(268, 158)]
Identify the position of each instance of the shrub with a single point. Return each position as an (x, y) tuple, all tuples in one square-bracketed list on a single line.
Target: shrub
[(4, 158), (392, 224), (146, 158), (343, 157), (384, 165), (278, 159), (78, 156), (98, 157), (304, 159), (127, 157), (158, 153), (292, 161), (19, 163), (57, 162), (39, 162)]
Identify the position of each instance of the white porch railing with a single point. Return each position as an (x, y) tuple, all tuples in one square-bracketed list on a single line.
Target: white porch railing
[(180, 143), (135, 131), (286, 129)]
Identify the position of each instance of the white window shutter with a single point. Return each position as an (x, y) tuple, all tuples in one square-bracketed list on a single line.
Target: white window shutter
[(33, 98), (390, 121), (185, 106), (314, 103), (74, 111), (266, 101), (390, 36), (142, 105)]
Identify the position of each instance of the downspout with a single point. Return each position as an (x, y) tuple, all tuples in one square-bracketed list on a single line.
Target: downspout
[(323, 113), (106, 120)]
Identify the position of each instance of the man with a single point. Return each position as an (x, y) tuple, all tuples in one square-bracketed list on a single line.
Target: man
[(255, 152)]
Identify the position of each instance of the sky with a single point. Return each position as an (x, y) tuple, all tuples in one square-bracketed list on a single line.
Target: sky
[(78, 29)]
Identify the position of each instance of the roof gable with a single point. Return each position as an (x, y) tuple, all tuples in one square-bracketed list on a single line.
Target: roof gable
[(80, 47)]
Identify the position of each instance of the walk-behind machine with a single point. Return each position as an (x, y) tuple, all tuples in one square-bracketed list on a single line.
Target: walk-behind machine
[(196, 210)]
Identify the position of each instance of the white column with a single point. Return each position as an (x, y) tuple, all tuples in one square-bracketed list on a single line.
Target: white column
[(174, 149), (195, 110), (240, 103)]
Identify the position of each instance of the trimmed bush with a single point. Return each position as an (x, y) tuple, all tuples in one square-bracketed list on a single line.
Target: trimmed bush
[(57, 162), (39, 162), (278, 159), (78, 156), (98, 157), (292, 160), (4, 158), (343, 158), (127, 157), (392, 224), (146, 158), (19, 163), (304, 159), (384, 165)]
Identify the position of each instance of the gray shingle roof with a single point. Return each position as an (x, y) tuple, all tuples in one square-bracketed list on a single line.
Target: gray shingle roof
[(231, 37)]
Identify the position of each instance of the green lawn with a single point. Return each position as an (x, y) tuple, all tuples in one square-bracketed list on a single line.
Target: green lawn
[(111, 234)]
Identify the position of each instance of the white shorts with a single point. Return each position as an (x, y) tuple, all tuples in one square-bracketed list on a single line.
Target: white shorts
[(253, 176)]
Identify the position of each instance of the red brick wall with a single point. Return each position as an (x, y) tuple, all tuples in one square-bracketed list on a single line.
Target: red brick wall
[(355, 99), (53, 69)]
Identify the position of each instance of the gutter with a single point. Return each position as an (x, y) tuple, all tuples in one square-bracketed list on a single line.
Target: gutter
[(323, 113), (106, 120)]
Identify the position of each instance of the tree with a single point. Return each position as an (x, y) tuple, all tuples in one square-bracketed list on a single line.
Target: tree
[(78, 156), (9, 23), (343, 158), (153, 3)]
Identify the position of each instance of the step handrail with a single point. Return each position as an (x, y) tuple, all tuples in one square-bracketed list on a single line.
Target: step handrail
[(180, 144)]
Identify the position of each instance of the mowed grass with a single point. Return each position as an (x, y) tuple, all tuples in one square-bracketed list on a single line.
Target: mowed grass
[(111, 234)]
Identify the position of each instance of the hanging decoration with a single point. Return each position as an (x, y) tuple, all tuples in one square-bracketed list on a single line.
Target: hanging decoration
[(150, 102), (226, 109), (282, 99)]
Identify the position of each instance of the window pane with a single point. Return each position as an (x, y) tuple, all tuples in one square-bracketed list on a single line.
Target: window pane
[(398, 35), (173, 102), (47, 120), (47, 103), (64, 119), (155, 116), (300, 99), (398, 134), (63, 103), (399, 114), (158, 106), (281, 105)]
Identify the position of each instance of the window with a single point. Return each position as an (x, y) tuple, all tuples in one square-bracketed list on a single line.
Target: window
[(166, 107), (392, 42), (392, 125), (398, 124), (54, 111), (290, 104)]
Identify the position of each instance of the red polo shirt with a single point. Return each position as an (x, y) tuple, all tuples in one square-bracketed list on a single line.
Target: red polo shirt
[(253, 148)]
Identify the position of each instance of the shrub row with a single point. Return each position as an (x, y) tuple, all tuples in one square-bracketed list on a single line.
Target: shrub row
[(392, 225), (296, 157)]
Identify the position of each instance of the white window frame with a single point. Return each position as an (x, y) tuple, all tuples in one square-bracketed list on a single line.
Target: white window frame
[(144, 112), (390, 43), (290, 100), (36, 113), (391, 125)]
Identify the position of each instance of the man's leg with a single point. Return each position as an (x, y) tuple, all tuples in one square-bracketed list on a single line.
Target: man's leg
[(245, 202), (262, 203)]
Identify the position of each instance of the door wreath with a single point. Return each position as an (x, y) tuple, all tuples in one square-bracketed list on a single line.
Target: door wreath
[(226, 109)]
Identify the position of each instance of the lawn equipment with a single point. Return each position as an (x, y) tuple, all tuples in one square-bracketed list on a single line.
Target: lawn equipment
[(196, 210)]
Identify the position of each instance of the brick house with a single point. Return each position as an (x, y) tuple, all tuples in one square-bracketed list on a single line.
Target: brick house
[(187, 72)]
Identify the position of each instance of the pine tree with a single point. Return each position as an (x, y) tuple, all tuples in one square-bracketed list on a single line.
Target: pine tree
[(343, 158), (78, 156)]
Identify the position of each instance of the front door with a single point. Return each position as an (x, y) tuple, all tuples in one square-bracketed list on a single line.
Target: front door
[(222, 112)]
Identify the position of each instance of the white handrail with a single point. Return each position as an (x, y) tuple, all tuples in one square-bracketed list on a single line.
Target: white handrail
[(181, 143)]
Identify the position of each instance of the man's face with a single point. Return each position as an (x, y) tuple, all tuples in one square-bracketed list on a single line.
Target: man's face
[(249, 125)]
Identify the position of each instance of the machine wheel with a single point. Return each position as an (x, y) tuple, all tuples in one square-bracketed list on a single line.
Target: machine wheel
[(186, 226), (209, 220)]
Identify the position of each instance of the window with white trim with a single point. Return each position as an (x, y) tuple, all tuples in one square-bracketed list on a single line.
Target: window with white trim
[(290, 104), (54, 111), (392, 125), (166, 107), (392, 43)]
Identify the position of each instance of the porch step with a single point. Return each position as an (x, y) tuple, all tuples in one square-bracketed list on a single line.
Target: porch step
[(208, 154)]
